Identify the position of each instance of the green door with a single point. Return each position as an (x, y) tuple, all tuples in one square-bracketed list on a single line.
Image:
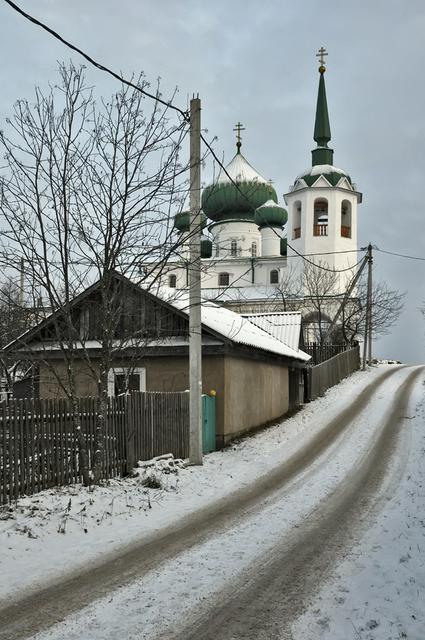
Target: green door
[(208, 423)]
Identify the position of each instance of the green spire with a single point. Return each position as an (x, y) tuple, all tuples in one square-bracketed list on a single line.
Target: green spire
[(322, 130)]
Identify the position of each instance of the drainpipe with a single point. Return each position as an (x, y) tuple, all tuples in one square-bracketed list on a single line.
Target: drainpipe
[(252, 271)]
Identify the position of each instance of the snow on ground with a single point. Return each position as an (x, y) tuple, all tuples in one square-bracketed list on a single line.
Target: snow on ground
[(379, 590), (112, 516), (70, 526)]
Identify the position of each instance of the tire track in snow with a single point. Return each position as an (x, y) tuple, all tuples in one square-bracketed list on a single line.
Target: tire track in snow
[(43, 609), (271, 594)]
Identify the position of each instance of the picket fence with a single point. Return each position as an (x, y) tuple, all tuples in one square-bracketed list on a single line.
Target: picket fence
[(39, 448)]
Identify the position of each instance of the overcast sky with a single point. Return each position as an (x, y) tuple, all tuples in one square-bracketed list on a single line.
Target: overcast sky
[(255, 62)]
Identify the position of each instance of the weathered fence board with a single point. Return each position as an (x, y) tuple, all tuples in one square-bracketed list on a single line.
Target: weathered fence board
[(39, 447), (321, 352), (328, 373)]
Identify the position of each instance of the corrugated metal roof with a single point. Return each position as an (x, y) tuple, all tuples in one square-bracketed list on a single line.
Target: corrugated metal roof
[(237, 328), (285, 326)]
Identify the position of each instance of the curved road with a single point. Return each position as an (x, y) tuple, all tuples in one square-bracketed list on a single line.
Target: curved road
[(273, 593), (280, 583)]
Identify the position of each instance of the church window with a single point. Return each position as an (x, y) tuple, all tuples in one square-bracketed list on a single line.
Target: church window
[(233, 248), (274, 276), (296, 228), (217, 250), (172, 281), (254, 249), (223, 279), (320, 224), (346, 219)]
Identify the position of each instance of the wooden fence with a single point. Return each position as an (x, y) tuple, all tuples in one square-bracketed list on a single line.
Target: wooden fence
[(322, 352), (39, 448), (328, 373)]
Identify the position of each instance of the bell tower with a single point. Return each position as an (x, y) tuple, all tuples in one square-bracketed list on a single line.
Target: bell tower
[(322, 203)]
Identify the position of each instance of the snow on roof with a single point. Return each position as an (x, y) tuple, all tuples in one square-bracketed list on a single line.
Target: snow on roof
[(285, 326), (237, 294), (270, 203), (320, 169), (240, 170), (235, 327)]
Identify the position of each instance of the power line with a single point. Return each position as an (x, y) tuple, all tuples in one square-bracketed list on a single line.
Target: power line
[(318, 266), (399, 255), (94, 63), (184, 114)]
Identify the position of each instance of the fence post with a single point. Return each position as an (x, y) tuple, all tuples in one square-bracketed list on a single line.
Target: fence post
[(129, 431)]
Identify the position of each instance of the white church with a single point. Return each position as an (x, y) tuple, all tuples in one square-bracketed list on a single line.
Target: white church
[(251, 241)]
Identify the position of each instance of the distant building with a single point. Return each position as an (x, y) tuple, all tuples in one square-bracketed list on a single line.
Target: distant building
[(252, 245)]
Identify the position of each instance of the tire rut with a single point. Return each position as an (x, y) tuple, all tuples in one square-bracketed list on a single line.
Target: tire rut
[(273, 593), (37, 611)]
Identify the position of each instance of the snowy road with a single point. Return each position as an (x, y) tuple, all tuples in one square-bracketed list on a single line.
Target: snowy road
[(247, 566)]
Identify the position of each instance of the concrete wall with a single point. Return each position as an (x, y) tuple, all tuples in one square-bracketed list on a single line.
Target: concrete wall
[(249, 392), (255, 393)]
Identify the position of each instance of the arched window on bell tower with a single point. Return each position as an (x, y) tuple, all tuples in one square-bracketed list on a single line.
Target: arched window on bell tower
[(346, 219), (320, 223), (233, 248), (296, 220)]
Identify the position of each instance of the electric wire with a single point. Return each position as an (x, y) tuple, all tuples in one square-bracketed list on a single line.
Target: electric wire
[(399, 255), (185, 115), (93, 62)]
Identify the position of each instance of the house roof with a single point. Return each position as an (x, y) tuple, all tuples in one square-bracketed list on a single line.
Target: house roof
[(238, 328), (222, 322), (286, 326)]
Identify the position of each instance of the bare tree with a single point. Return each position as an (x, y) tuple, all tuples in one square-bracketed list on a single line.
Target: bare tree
[(287, 292), (387, 306), (87, 189), (15, 318), (319, 292)]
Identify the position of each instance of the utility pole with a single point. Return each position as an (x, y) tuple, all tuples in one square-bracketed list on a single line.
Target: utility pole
[(367, 343), (369, 300), (346, 297), (195, 337)]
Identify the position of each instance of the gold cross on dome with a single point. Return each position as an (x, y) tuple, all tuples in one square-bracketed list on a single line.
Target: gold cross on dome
[(321, 55), (238, 128)]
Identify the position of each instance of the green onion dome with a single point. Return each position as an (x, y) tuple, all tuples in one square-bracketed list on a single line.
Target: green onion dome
[(237, 196), (284, 246), (270, 214), (206, 248), (182, 221), (328, 171)]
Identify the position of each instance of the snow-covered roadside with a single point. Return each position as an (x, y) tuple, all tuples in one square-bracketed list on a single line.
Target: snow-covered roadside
[(92, 524), (163, 601), (379, 590)]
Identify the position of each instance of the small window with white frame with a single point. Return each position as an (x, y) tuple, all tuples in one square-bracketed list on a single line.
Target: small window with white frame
[(233, 248), (123, 380), (254, 249), (172, 280)]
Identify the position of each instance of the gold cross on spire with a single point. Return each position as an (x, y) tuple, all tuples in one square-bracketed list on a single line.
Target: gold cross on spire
[(321, 55), (238, 128)]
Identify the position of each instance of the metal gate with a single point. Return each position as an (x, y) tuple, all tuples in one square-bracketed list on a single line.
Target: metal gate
[(208, 423)]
